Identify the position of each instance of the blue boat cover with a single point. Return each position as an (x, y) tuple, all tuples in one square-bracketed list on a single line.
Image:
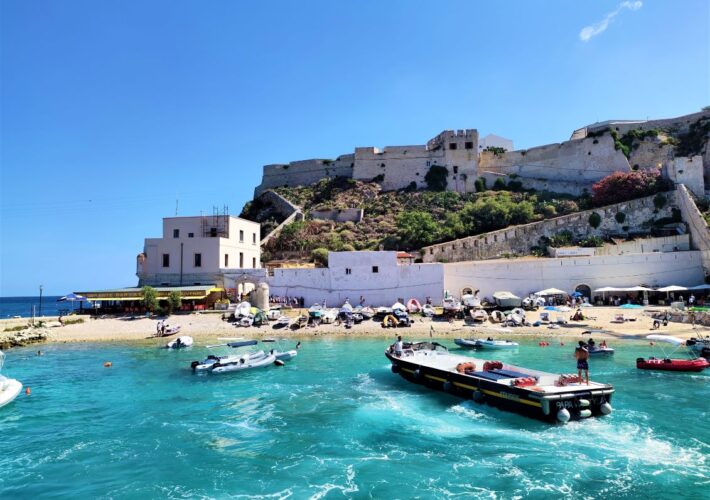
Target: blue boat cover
[(499, 374)]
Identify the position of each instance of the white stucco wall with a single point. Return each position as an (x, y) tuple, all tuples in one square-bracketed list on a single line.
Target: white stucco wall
[(334, 284), (523, 276)]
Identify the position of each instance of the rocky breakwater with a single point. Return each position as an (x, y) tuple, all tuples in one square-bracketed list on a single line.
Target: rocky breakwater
[(19, 338)]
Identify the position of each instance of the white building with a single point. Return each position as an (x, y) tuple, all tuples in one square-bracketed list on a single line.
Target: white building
[(495, 141), (380, 279), (199, 251), (377, 277)]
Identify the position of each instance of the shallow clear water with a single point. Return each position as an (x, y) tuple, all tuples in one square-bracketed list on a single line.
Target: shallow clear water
[(334, 423)]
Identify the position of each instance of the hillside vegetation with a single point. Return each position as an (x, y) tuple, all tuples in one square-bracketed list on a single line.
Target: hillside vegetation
[(401, 220), (409, 220)]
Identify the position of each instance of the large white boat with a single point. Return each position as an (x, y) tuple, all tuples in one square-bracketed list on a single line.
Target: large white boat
[(9, 387), (546, 396), (279, 351), (238, 361)]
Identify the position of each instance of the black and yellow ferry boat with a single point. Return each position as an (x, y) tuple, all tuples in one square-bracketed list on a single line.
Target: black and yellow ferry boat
[(545, 396)]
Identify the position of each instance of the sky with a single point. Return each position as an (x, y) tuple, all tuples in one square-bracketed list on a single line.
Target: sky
[(111, 111)]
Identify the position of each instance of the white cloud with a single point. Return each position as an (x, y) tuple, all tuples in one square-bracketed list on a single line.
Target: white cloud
[(595, 29)]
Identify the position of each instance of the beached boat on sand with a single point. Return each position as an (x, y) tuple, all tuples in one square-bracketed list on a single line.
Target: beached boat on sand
[(428, 310), (546, 396), (413, 306)]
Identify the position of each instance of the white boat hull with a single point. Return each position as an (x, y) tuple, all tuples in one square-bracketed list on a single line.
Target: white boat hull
[(9, 390), (180, 342), (247, 364)]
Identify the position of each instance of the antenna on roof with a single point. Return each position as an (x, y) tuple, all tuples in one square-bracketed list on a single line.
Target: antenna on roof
[(176, 205)]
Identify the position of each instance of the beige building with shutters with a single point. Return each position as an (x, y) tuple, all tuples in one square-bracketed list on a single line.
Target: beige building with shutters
[(199, 251)]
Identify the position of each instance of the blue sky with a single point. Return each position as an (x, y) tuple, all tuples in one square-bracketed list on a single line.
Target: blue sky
[(111, 110)]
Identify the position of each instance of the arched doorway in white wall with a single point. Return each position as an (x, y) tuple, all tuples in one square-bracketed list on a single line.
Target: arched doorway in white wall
[(585, 290), (467, 291)]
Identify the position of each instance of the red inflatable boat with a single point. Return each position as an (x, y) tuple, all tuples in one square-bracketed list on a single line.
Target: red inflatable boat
[(674, 365)]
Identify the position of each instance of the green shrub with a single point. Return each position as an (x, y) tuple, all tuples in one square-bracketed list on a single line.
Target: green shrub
[(435, 178), (320, 256), (595, 220), (174, 301), (150, 298), (561, 239), (592, 241), (620, 217), (499, 184), (480, 184)]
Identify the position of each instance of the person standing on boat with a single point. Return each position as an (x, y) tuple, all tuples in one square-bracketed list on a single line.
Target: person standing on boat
[(398, 347), (582, 355)]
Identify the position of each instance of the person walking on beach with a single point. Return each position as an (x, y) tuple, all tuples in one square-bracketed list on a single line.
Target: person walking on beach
[(582, 355)]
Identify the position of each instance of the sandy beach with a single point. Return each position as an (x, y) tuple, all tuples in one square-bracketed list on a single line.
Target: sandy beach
[(210, 326)]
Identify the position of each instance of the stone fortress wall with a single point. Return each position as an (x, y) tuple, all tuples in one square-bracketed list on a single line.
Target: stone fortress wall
[(568, 167), (518, 240), (394, 167)]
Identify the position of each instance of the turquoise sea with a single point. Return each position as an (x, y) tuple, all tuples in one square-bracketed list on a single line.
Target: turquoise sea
[(335, 423)]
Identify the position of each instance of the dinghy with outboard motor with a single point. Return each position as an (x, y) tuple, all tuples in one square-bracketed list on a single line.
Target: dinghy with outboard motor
[(234, 362), (279, 351), (546, 396), (180, 342), (488, 343), (9, 387), (666, 363)]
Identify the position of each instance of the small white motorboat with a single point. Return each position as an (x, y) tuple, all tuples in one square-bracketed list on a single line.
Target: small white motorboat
[(428, 310), (398, 306), (9, 387), (242, 309), (329, 316), (367, 312), (470, 300), (282, 321), (479, 315), (315, 311), (244, 363), (600, 351), (490, 343), (234, 362), (497, 316), (246, 321), (180, 342), (273, 314), (451, 305)]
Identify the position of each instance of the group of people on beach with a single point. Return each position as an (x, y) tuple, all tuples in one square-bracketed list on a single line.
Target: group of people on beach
[(287, 301)]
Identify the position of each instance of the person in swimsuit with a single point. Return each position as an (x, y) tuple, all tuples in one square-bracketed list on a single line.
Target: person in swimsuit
[(582, 355)]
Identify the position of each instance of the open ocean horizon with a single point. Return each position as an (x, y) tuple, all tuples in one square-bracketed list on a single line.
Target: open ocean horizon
[(335, 423), (11, 307)]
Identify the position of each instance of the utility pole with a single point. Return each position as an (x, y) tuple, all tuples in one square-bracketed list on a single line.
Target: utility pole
[(40, 301)]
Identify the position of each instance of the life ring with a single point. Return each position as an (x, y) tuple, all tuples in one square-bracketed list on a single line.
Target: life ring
[(492, 365), (464, 367)]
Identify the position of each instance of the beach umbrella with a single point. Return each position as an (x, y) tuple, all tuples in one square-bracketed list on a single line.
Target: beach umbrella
[(72, 297), (631, 306), (699, 287), (551, 308), (672, 288), (551, 291), (576, 294)]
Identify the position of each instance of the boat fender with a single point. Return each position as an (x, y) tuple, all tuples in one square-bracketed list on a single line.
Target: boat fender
[(194, 364), (585, 413), (605, 408), (545, 406), (583, 403), (563, 416), (448, 386), (395, 368), (477, 396)]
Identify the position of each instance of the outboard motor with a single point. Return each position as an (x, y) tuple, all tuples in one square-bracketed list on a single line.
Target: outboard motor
[(705, 353), (194, 364)]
